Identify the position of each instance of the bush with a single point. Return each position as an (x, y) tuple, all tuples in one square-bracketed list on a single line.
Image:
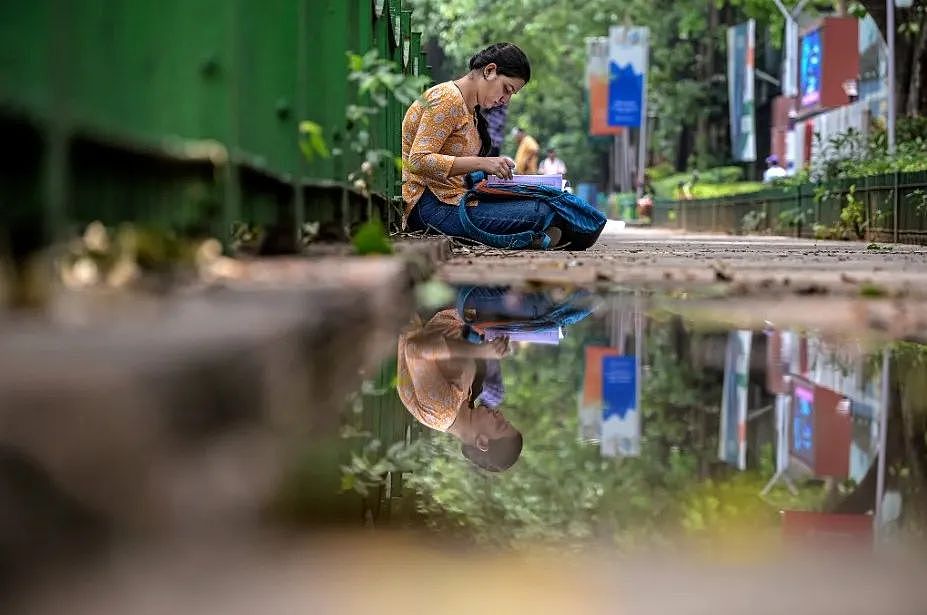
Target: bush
[(723, 175), (661, 171), (753, 221)]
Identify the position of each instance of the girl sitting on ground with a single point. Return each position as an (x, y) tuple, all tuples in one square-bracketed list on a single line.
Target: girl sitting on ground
[(445, 137)]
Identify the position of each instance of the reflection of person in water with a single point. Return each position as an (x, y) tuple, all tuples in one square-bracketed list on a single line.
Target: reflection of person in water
[(455, 386)]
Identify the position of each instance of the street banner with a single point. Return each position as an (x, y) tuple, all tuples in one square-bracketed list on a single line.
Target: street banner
[(621, 425), (732, 441), (741, 46), (628, 49), (597, 87)]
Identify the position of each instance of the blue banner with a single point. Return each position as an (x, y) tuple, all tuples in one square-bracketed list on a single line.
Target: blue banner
[(627, 75)]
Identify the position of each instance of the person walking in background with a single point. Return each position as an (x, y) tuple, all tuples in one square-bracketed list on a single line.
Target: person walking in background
[(526, 157), (774, 170), (552, 165), (495, 119)]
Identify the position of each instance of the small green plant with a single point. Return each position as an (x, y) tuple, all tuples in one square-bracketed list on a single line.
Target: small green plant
[(853, 216), (368, 469), (872, 291), (378, 81), (311, 141), (753, 221), (371, 238), (822, 231), (795, 217)]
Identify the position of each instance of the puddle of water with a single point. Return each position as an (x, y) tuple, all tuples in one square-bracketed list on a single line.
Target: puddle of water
[(614, 424), (587, 452), (516, 418)]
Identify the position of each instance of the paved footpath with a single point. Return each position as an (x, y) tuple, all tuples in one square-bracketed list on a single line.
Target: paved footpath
[(837, 284)]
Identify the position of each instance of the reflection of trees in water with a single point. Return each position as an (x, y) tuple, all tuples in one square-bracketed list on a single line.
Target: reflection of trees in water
[(561, 489), (908, 445), (906, 463)]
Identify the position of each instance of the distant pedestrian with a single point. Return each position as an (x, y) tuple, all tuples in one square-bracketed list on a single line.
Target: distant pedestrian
[(552, 165), (526, 158), (774, 170), (495, 119)]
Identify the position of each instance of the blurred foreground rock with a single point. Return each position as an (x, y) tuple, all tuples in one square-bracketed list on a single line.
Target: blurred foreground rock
[(137, 416)]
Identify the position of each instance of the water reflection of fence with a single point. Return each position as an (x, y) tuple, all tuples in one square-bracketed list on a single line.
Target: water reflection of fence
[(386, 418), (893, 207)]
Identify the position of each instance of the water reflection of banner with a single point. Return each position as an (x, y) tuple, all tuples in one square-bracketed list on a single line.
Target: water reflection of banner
[(741, 44), (621, 425), (591, 401), (628, 49), (597, 86), (732, 442)]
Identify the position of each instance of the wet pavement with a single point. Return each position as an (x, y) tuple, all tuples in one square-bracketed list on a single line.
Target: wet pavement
[(545, 437)]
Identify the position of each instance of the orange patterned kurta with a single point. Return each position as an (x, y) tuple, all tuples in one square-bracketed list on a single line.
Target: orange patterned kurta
[(432, 136), (432, 383)]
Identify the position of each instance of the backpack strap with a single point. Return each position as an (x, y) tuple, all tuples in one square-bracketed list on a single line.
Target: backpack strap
[(513, 241)]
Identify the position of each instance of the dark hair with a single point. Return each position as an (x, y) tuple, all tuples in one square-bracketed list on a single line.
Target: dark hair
[(508, 58), (511, 62), (502, 453)]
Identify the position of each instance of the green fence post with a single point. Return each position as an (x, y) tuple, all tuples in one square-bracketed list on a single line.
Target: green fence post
[(895, 207), (231, 206), (58, 131)]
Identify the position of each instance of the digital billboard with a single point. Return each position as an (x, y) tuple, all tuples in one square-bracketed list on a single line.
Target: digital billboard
[(809, 72)]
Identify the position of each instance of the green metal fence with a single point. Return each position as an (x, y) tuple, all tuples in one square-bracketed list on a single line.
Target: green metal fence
[(893, 209), (185, 113)]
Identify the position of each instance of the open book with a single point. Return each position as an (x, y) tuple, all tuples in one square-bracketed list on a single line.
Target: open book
[(548, 335), (554, 180)]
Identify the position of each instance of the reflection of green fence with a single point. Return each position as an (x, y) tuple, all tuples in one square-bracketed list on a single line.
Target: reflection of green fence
[(185, 113), (894, 208), (388, 420), (314, 489)]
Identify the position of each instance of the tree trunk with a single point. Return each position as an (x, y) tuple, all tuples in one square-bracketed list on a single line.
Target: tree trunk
[(915, 103), (904, 50), (705, 72)]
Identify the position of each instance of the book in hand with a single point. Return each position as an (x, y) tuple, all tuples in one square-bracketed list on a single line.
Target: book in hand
[(548, 335), (554, 180)]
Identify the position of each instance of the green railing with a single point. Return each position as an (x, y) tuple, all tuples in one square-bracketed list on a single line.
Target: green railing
[(186, 113), (893, 209)]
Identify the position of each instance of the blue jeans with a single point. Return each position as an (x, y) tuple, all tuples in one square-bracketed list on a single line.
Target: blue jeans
[(498, 217), (501, 302)]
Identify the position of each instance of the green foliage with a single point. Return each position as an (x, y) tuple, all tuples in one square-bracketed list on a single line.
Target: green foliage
[(660, 171), (795, 217), (378, 81), (753, 221), (311, 140), (722, 175), (872, 291), (710, 191), (710, 183), (371, 238), (852, 154), (853, 215), (368, 468)]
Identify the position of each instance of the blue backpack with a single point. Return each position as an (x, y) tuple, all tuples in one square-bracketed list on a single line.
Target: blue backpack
[(580, 222)]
